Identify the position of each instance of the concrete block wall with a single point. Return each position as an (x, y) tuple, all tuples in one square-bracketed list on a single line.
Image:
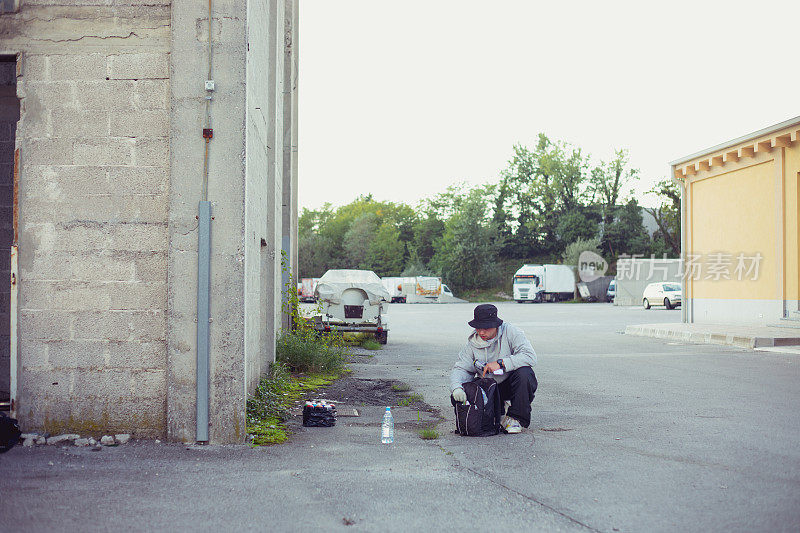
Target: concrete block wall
[(93, 184), (289, 212), (244, 192), (113, 104)]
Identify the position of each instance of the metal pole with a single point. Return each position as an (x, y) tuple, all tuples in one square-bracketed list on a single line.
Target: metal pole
[(203, 316)]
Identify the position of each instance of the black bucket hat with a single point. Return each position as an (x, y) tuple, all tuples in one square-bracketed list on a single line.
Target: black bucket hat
[(485, 317)]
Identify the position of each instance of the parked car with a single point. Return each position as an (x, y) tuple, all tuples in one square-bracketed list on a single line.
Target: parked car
[(668, 294), (611, 293)]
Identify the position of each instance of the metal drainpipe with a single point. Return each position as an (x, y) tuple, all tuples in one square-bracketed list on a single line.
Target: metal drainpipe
[(204, 267), (685, 300)]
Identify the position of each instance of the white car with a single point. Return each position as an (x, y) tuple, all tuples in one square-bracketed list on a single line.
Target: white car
[(668, 294)]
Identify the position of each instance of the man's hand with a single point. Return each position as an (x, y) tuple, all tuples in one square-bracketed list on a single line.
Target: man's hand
[(459, 395), (490, 367)]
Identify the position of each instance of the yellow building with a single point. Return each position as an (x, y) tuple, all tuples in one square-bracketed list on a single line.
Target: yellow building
[(740, 229)]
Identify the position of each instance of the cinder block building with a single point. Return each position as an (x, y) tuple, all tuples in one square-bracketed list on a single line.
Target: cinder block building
[(740, 228), (148, 192)]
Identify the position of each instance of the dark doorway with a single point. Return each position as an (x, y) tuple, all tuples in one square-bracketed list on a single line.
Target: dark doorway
[(9, 115)]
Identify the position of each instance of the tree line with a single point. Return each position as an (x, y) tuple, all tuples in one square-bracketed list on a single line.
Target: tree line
[(550, 203)]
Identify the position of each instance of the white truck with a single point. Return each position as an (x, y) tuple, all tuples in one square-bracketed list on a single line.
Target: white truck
[(305, 289), (352, 300), (396, 287), (417, 289), (544, 283)]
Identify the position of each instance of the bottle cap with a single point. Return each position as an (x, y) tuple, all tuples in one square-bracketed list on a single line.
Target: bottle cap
[(388, 409)]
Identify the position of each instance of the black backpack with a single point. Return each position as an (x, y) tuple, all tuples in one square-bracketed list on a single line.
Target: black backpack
[(9, 432), (479, 416)]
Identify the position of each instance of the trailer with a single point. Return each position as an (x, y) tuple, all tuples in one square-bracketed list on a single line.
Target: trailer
[(544, 283), (352, 300)]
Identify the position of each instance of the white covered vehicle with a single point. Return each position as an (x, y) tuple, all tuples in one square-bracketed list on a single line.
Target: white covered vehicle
[(544, 283), (353, 300)]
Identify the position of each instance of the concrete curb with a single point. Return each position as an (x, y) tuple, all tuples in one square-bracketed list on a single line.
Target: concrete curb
[(713, 335)]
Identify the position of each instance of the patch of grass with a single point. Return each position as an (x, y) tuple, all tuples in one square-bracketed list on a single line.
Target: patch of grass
[(304, 350), (415, 397), (278, 390), (428, 434), (494, 294), (481, 295), (370, 344), (401, 387), (354, 338), (268, 431)]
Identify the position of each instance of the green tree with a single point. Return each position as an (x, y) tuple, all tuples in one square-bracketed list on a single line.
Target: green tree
[(385, 255), (575, 224), (427, 231), (537, 190), (626, 233), (466, 255), (667, 217), (574, 250), (315, 254), (607, 181), (358, 240)]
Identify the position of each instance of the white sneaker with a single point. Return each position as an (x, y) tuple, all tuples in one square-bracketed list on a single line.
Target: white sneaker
[(511, 425)]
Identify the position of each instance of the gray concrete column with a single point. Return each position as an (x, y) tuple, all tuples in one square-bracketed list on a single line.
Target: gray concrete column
[(289, 203), (226, 191), (275, 156)]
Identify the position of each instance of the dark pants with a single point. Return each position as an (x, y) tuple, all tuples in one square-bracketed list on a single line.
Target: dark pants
[(519, 387)]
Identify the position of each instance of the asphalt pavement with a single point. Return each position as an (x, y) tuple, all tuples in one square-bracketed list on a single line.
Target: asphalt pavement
[(628, 434)]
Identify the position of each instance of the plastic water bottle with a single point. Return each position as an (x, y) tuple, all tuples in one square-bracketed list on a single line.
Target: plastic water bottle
[(387, 428)]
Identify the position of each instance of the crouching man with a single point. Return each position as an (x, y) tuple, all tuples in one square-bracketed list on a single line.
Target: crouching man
[(502, 351)]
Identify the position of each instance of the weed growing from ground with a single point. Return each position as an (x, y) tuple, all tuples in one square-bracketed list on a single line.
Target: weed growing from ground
[(428, 433), (415, 397), (268, 407), (316, 361), (401, 387), (370, 344), (304, 349)]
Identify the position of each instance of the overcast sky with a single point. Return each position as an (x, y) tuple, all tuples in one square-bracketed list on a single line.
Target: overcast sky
[(402, 99)]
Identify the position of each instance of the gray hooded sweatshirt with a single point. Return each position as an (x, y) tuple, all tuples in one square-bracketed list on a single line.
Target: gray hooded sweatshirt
[(510, 344)]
